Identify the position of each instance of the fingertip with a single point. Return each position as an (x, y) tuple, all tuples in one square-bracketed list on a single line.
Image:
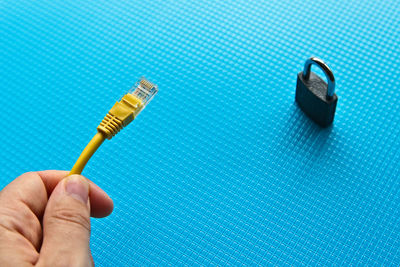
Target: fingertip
[(51, 178), (52, 174), (101, 204), (77, 187), (103, 211)]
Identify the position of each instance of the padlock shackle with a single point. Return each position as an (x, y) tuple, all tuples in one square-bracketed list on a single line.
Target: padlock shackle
[(328, 73)]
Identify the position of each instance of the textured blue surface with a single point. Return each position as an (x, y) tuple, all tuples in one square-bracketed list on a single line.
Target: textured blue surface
[(222, 167)]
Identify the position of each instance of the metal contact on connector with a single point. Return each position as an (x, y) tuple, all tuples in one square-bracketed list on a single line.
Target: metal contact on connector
[(144, 90), (146, 84)]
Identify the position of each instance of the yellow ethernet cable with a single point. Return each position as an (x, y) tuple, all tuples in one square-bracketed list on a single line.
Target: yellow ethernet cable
[(120, 115)]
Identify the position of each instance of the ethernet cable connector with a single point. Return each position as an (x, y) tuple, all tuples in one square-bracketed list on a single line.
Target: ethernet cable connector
[(129, 106), (121, 114)]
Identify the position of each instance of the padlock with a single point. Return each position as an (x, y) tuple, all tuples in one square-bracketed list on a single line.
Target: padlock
[(316, 98)]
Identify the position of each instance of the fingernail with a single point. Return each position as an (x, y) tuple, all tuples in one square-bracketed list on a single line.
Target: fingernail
[(77, 187)]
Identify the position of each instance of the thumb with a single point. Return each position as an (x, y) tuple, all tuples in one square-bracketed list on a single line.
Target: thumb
[(66, 224)]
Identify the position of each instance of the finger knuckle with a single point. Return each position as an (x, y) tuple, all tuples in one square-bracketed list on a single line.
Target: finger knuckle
[(70, 217), (21, 220)]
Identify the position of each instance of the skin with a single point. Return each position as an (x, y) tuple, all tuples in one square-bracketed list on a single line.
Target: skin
[(45, 219)]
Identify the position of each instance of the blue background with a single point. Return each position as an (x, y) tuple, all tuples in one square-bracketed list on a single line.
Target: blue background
[(222, 167)]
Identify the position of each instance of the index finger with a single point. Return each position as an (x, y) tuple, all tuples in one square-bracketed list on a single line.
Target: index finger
[(34, 188)]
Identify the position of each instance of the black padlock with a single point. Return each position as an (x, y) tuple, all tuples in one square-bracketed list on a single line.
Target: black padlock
[(316, 98)]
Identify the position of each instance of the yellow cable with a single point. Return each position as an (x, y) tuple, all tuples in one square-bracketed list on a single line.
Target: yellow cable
[(120, 115), (87, 153)]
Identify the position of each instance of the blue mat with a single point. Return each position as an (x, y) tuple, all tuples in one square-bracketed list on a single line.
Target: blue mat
[(222, 168)]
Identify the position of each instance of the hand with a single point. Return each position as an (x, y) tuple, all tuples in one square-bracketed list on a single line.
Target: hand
[(45, 219)]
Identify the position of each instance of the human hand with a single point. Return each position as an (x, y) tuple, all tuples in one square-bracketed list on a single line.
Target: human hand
[(45, 219)]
